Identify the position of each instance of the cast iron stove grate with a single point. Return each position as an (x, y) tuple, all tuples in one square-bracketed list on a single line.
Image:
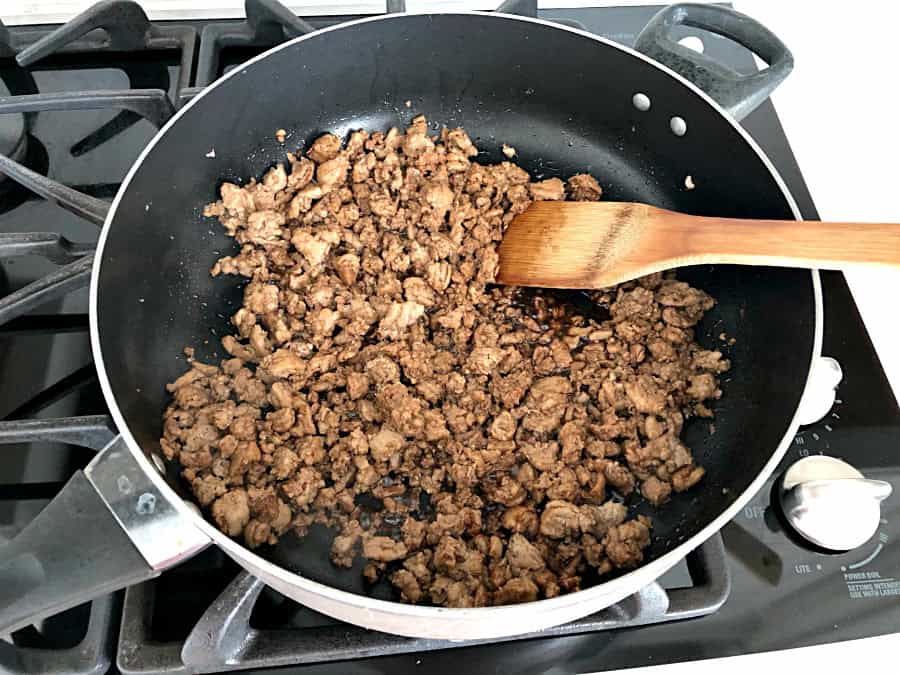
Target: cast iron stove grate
[(248, 626)]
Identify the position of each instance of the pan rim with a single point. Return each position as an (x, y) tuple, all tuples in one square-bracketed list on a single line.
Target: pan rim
[(541, 611)]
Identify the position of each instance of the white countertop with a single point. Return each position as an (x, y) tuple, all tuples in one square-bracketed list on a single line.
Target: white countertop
[(839, 110), (838, 658)]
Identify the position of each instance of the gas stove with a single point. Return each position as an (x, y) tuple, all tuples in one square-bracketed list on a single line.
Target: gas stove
[(78, 104)]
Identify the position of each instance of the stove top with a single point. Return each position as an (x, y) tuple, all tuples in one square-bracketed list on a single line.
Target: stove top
[(79, 110)]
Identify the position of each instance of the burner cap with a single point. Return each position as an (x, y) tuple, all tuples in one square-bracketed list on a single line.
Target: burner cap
[(12, 131)]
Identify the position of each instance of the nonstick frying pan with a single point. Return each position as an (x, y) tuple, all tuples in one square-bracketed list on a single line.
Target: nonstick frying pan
[(569, 102)]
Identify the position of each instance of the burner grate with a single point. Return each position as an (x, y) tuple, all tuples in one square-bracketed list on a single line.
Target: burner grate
[(45, 324), (65, 279), (108, 27), (51, 649), (93, 432), (125, 28), (268, 23), (151, 104), (225, 639), (92, 655)]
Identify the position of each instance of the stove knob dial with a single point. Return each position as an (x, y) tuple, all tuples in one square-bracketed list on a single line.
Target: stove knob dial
[(831, 504)]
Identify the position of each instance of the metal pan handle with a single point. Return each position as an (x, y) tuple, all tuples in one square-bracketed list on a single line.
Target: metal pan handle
[(108, 528), (738, 94)]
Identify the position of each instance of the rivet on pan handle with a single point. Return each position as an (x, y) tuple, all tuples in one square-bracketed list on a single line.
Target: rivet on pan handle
[(738, 94)]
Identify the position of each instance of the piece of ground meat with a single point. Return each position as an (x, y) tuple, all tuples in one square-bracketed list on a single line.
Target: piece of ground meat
[(503, 428), (597, 520), (547, 190), (625, 543), (646, 395), (384, 549), (542, 455), (559, 519), (324, 148), (686, 477), (656, 491), (520, 589), (583, 187), (343, 549), (408, 585), (521, 519), (523, 555), (231, 512), (465, 439), (619, 477)]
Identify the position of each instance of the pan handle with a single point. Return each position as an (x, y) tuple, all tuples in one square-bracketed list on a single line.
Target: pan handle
[(738, 94), (108, 528)]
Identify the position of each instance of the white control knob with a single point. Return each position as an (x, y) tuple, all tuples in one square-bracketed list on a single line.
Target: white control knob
[(831, 504)]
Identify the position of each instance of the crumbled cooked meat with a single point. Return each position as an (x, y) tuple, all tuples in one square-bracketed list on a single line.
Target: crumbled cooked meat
[(597, 520), (347, 267), (343, 549), (418, 290), (257, 533), (559, 519), (571, 438), (408, 585), (625, 543), (503, 428), (520, 589), (284, 363), (303, 487), (263, 227), (551, 189), (384, 444), (231, 512), (382, 370), (324, 148), (313, 248), (399, 316), (679, 294), (543, 456), (703, 387), (483, 360), (646, 396), (656, 491), (523, 555), (467, 440), (583, 187), (686, 477), (384, 549), (521, 519), (619, 477)]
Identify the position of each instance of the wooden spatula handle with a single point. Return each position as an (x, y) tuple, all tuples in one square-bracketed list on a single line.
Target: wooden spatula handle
[(599, 244), (789, 243)]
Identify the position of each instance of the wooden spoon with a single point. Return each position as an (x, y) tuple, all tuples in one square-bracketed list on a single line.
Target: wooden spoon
[(599, 244)]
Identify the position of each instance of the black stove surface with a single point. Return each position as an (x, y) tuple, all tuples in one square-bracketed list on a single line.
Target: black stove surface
[(782, 594)]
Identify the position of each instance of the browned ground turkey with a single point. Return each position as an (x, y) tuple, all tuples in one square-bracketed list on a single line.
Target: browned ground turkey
[(372, 356)]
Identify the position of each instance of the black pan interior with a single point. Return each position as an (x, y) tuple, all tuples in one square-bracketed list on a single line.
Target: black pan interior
[(564, 100)]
